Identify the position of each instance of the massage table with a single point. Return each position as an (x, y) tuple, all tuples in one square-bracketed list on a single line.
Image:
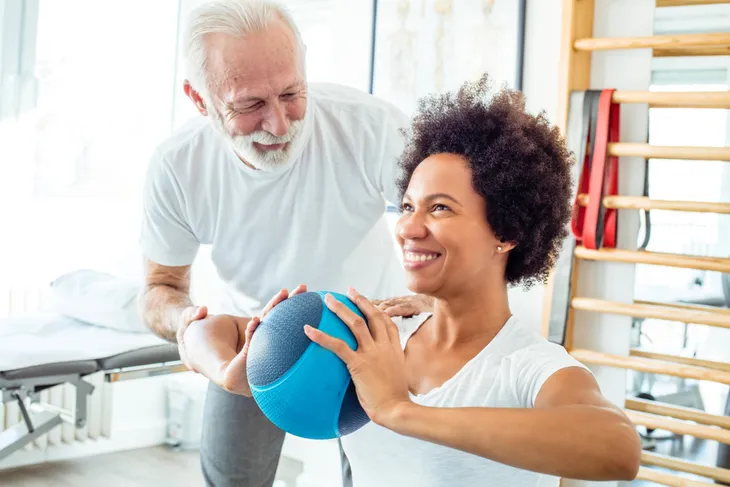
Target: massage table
[(43, 350)]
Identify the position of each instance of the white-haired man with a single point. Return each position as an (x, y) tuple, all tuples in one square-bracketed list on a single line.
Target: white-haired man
[(287, 183)]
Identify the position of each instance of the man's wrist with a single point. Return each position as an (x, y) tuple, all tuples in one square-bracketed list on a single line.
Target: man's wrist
[(179, 318)]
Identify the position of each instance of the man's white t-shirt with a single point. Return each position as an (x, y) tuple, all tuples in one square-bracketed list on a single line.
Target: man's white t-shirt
[(317, 221), (507, 373)]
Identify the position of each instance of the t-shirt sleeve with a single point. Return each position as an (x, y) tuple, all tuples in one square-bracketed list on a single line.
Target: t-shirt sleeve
[(384, 168), (535, 365), (166, 237)]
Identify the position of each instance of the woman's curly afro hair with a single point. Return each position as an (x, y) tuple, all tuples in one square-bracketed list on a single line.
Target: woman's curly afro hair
[(520, 166)]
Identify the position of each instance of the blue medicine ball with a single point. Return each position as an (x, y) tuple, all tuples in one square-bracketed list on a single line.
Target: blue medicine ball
[(302, 388)]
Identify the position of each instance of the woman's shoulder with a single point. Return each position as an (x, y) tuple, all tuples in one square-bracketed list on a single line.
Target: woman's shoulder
[(407, 325)]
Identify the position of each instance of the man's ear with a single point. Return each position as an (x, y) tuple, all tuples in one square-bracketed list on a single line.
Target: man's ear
[(195, 98)]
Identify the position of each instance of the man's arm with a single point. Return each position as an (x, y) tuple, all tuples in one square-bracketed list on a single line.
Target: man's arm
[(165, 298)]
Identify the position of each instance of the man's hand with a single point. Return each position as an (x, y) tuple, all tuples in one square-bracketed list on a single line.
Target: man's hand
[(189, 314), (405, 305), (217, 345), (212, 346)]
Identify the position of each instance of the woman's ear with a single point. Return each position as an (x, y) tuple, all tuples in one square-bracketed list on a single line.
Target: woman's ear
[(504, 247)]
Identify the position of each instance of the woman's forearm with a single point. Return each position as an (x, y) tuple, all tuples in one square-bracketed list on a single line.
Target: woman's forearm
[(580, 442)]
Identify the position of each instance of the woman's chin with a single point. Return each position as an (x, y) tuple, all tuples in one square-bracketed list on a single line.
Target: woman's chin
[(420, 285)]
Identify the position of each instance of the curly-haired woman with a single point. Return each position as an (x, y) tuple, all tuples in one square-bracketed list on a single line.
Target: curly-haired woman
[(469, 395)]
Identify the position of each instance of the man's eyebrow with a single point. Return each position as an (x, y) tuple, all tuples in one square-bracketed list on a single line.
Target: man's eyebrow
[(248, 98), (244, 99)]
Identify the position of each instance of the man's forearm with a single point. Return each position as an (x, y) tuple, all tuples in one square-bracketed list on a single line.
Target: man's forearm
[(162, 307)]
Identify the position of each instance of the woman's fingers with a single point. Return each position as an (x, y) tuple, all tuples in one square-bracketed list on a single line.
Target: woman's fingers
[(278, 298), (281, 296), (393, 333), (358, 326), (375, 319), (302, 288), (334, 345), (250, 328)]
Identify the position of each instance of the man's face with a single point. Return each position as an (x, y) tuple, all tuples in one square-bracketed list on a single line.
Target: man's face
[(258, 93)]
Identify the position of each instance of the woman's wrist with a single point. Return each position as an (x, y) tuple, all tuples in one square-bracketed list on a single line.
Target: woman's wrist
[(399, 416)]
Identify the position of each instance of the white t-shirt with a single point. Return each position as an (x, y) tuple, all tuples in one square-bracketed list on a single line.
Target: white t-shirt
[(507, 373), (317, 221)]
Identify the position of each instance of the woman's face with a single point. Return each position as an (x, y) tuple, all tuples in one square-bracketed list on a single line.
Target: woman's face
[(448, 246)]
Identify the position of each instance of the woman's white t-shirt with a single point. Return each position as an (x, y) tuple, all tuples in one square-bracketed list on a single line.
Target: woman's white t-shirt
[(507, 373)]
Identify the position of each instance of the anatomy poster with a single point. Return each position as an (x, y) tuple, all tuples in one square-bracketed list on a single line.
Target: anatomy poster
[(429, 46)]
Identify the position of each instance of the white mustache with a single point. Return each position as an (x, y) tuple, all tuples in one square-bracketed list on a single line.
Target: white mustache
[(265, 138)]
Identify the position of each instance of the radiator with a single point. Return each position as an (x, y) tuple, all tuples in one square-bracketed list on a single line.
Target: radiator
[(18, 300)]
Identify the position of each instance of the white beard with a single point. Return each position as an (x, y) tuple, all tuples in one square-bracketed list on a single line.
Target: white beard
[(264, 160)]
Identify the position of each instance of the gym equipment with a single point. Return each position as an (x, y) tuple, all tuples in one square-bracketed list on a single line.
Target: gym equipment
[(301, 387)]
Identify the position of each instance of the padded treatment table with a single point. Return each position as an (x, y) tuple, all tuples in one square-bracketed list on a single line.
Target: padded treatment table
[(42, 350)]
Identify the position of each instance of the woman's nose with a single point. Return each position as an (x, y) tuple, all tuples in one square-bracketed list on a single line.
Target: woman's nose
[(411, 226)]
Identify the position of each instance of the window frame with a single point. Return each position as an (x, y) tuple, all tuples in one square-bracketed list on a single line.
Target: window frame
[(18, 31)]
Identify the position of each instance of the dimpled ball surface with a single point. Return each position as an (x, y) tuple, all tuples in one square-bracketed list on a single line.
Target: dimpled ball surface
[(301, 387)]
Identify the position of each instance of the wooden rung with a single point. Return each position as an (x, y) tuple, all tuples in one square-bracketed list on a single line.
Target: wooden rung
[(657, 99), (630, 149), (694, 307), (650, 366), (683, 3), (680, 427), (719, 264), (678, 41), (670, 480), (692, 52), (656, 460), (644, 203), (720, 320), (679, 412), (708, 364)]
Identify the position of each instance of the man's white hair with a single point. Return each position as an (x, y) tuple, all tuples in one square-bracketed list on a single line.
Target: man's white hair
[(233, 17)]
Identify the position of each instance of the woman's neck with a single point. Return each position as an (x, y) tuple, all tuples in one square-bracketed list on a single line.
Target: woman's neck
[(477, 313)]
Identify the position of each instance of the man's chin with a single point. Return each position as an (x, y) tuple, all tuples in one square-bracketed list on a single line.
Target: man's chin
[(266, 162)]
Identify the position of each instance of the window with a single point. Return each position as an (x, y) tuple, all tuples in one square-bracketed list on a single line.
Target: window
[(87, 90), (702, 234), (337, 35), (99, 81)]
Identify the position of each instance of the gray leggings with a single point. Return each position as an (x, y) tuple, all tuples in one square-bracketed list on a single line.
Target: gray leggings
[(240, 447)]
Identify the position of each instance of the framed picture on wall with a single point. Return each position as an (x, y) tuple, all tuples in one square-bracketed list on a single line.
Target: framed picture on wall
[(431, 46)]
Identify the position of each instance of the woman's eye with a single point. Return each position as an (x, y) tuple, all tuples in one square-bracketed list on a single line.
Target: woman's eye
[(440, 208), (406, 207)]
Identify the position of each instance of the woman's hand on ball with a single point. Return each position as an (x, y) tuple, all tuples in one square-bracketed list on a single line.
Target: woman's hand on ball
[(377, 366), (281, 296)]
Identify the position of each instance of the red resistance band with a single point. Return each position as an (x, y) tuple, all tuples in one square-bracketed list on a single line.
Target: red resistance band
[(595, 225)]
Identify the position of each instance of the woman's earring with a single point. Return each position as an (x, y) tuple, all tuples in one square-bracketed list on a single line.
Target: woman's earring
[(499, 247)]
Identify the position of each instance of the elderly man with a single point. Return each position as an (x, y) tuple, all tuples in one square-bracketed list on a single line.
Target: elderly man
[(287, 182)]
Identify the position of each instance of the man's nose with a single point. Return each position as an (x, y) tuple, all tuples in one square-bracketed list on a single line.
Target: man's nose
[(276, 122)]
